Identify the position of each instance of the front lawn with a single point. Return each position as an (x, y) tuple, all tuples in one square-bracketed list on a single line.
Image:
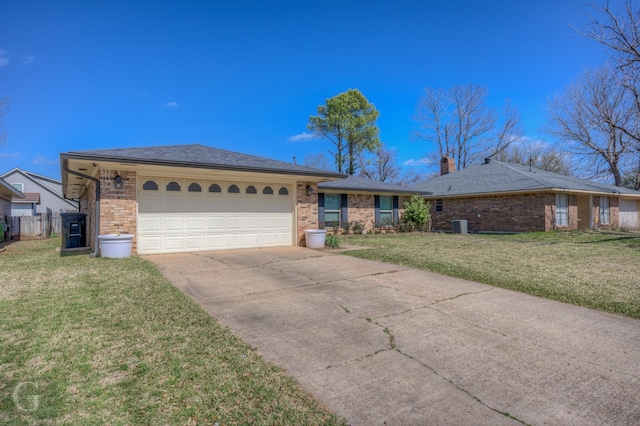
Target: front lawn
[(597, 270), (111, 341)]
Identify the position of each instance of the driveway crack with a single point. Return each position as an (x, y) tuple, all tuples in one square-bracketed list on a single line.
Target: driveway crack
[(460, 388)]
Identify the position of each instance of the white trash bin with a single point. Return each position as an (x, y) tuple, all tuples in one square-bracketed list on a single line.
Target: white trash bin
[(115, 245), (315, 238)]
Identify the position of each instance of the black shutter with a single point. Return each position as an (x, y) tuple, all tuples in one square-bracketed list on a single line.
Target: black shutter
[(320, 210), (376, 201), (344, 213), (395, 209)]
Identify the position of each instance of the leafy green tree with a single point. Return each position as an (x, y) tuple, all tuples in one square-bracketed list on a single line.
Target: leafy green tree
[(416, 212), (349, 121)]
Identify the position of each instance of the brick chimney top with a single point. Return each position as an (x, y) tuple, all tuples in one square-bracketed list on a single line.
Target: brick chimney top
[(447, 165)]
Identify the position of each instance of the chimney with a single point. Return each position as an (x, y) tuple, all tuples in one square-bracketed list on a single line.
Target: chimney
[(447, 165)]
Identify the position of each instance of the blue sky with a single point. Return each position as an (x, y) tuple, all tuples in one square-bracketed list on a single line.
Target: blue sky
[(246, 76)]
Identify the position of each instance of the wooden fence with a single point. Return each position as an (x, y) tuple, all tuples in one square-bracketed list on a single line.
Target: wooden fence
[(35, 227)]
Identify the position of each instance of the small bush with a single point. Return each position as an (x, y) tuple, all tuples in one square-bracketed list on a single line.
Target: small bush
[(416, 214), (357, 227), (332, 241)]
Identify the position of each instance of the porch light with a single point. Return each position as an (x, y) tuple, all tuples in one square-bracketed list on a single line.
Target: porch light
[(309, 190), (119, 183)]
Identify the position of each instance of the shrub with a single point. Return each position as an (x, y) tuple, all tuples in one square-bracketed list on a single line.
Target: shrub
[(332, 241), (416, 213), (357, 227)]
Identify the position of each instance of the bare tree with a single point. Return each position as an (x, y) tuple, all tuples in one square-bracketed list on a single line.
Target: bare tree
[(382, 167), (538, 154), (318, 161), (461, 124), (590, 117)]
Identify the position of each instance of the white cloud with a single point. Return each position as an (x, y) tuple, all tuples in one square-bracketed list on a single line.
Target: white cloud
[(3, 59), (419, 162), (304, 136), (28, 59), (171, 104), (9, 154), (40, 159)]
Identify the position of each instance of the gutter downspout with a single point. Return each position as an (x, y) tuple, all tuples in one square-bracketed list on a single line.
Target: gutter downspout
[(65, 167)]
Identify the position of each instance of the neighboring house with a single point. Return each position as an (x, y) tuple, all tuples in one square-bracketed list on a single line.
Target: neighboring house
[(358, 199), (41, 193), (509, 197), (193, 197)]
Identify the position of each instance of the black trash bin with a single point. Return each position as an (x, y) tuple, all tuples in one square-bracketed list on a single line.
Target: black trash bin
[(74, 230), (459, 226)]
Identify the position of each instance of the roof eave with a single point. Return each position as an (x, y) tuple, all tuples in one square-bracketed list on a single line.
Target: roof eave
[(329, 175)]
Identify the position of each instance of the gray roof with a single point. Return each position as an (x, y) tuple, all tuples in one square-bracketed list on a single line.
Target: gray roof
[(200, 156), (499, 177), (358, 183)]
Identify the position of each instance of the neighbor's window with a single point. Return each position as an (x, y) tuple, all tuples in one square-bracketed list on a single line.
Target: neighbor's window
[(194, 187), (439, 205), (18, 186), (173, 186), (386, 209), (332, 210), (562, 210), (604, 210), (150, 186)]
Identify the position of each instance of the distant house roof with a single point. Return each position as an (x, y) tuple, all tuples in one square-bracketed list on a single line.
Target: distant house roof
[(8, 192), (362, 184), (29, 198), (199, 156), (496, 177), (42, 182)]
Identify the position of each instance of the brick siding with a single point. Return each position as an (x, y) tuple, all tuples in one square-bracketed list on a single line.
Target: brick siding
[(306, 209)]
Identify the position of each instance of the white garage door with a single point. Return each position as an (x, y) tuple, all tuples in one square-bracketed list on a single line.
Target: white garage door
[(177, 215), (628, 213)]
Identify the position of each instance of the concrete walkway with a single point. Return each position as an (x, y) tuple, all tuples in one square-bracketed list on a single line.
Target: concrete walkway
[(384, 343)]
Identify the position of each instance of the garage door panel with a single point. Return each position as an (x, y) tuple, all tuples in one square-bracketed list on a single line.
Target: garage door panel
[(628, 213), (184, 221), (173, 223)]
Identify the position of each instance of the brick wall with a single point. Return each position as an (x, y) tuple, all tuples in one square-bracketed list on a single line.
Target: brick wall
[(361, 208), (5, 209), (118, 206), (306, 209), (508, 213)]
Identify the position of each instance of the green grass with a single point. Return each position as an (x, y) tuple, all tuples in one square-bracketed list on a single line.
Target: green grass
[(110, 341), (596, 270)]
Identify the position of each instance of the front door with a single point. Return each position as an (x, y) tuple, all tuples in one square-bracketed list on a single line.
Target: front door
[(584, 212)]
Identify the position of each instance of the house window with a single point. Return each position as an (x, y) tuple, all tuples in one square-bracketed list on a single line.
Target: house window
[(332, 209), (173, 186), (386, 209), (214, 187), (150, 186), (562, 210), (604, 210), (233, 189), (439, 205), (251, 190), (194, 187), (18, 186), (283, 191), (267, 190)]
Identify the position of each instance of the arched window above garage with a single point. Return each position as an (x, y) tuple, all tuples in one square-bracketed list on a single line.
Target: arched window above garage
[(233, 189), (283, 191), (267, 190), (173, 186), (214, 187), (194, 187), (251, 190), (150, 186)]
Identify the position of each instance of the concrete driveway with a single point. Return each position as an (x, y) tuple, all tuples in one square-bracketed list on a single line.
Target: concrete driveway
[(384, 343)]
